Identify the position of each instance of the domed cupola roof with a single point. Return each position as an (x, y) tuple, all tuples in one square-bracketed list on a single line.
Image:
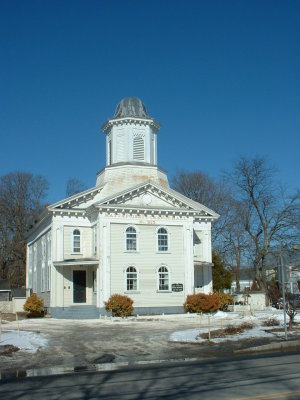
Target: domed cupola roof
[(131, 107)]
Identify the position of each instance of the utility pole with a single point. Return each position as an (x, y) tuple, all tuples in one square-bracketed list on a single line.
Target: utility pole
[(283, 293)]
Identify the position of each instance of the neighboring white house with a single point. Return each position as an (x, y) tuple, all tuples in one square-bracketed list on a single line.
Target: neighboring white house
[(246, 276), (129, 234)]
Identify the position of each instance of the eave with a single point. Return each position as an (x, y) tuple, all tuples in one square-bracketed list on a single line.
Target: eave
[(68, 211), (78, 261), (129, 120), (76, 199), (154, 211)]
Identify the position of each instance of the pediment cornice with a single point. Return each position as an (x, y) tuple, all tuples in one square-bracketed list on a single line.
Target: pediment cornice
[(137, 212), (74, 201), (174, 201)]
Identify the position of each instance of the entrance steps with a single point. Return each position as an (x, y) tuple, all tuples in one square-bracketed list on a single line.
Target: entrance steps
[(75, 312)]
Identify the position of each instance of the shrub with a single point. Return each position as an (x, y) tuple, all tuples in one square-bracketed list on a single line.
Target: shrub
[(271, 322), (34, 305), (225, 300), (119, 305), (196, 303)]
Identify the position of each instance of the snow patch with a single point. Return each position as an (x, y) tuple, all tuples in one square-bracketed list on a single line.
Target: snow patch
[(26, 341), (189, 335)]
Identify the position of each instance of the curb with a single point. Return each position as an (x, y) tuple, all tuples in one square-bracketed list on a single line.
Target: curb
[(271, 346)]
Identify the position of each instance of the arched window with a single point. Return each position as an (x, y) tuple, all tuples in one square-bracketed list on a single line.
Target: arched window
[(131, 279), (76, 241), (163, 279), (162, 240), (130, 239)]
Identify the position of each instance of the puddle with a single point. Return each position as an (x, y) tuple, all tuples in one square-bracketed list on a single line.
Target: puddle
[(106, 366)]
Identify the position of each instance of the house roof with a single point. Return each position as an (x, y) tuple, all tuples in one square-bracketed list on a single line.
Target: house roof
[(18, 292), (76, 261), (291, 257), (131, 107), (4, 284), (246, 274)]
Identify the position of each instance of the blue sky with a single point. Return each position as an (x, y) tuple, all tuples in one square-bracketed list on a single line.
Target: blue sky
[(222, 77)]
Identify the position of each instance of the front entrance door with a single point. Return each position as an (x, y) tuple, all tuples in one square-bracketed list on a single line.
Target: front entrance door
[(79, 286)]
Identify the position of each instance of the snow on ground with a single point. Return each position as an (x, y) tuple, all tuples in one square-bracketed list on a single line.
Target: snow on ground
[(26, 341), (193, 335), (31, 341)]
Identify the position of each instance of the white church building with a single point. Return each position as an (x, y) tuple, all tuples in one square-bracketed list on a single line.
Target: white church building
[(130, 234)]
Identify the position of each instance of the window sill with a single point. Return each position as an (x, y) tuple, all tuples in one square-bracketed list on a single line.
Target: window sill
[(164, 291), (163, 252), (74, 254), (132, 292)]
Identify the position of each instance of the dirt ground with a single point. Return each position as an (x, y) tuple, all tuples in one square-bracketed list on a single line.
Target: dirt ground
[(77, 344)]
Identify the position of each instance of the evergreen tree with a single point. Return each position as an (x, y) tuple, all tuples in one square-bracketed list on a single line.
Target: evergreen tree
[(221, 277)]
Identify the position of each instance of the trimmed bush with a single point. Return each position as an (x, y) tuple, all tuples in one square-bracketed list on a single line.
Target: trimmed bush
[(34, 305), (197, 303), (119, 305), (225, 299)]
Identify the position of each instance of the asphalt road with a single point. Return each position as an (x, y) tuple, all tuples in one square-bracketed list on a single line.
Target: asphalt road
[(272, 376)]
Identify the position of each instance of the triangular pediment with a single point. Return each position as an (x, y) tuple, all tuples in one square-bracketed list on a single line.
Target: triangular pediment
[(80, 200), (150, 195)]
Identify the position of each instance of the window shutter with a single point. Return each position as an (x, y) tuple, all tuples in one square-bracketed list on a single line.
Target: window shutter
[(139, 148)]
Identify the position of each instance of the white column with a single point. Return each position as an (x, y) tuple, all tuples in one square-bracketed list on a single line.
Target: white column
[(104, 263), (27, 267), (189, 259), (57, 284)]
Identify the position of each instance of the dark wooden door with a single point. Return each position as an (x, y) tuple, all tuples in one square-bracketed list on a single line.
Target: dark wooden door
[(79, 286)]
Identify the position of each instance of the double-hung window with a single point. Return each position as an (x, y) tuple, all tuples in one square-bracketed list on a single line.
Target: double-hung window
[(162, 240), (76, 241), (131, 279), (130, 239), (163, 279)]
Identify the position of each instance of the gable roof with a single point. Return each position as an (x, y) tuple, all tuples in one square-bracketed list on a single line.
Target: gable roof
[(77, 198), (172, 198)]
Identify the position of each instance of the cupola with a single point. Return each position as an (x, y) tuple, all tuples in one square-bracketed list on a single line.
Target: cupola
[(131, 134)]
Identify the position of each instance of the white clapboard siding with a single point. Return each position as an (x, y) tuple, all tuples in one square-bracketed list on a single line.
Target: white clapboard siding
[(147, 260), (198, 244), (86, 240), (68, 284)]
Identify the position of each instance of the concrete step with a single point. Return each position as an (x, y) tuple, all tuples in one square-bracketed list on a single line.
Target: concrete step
[(76, 312)]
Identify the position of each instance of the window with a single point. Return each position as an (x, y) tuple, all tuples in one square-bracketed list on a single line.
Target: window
[(130, 239), (76, 241), (162, 239), (43, 270), (163, 279), (30, 263), (131, 279), (34, 278)]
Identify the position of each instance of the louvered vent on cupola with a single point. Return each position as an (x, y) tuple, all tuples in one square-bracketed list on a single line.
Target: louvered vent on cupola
[(139, 148)]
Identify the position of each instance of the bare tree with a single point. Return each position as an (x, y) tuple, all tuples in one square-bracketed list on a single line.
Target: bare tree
[(21, 197), (74, 186), (213, 194), (235, 242), (267, 213)]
